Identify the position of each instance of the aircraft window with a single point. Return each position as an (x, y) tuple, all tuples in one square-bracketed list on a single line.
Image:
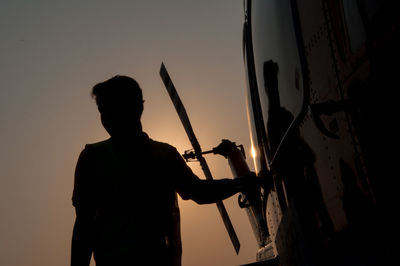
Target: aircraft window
[(256, 149), (277, 66), (355, 26)]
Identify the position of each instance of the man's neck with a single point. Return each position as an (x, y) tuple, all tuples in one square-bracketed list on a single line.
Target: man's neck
[(129, 139)]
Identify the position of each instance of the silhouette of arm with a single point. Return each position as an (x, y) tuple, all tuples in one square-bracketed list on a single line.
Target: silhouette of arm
[(82, 239), (210, 191), (190, 186), (83, 232)]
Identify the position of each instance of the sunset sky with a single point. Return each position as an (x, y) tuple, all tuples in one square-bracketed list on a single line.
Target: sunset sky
[(51, 55)]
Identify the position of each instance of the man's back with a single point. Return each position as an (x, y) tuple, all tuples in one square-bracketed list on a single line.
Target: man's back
[(132, 190)]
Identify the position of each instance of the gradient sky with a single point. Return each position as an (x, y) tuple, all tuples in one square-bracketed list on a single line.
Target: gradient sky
[(53, 52)]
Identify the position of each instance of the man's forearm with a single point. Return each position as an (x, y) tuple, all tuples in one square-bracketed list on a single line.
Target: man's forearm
[(211, 191)]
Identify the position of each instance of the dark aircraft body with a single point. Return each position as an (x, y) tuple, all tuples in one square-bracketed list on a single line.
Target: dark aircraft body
[(322, 80)]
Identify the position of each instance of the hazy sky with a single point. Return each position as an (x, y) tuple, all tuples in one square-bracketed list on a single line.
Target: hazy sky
[(53, 52)]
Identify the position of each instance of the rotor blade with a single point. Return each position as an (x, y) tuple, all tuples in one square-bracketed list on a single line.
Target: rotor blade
[(180, 109), (197, 149)]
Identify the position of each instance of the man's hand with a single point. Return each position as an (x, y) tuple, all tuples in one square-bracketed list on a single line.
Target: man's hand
[(249, 185)]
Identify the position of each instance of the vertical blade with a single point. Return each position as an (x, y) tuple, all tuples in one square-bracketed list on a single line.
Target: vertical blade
[(180, 109)]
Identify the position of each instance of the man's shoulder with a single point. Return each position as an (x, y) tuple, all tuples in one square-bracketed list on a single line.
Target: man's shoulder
[(92, 150), (167, 157), (99, 145), (161, 146)]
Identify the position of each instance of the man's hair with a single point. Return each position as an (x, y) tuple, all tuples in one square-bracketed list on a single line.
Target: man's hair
[(118, 90)]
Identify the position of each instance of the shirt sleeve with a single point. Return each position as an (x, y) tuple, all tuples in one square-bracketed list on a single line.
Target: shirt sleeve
[(184, 177), (83, 191)]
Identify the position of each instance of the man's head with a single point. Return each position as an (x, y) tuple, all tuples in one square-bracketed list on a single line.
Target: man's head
[(120, 103)]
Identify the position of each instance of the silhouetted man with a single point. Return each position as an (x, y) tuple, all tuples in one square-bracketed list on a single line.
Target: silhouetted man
[(125, 188)]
